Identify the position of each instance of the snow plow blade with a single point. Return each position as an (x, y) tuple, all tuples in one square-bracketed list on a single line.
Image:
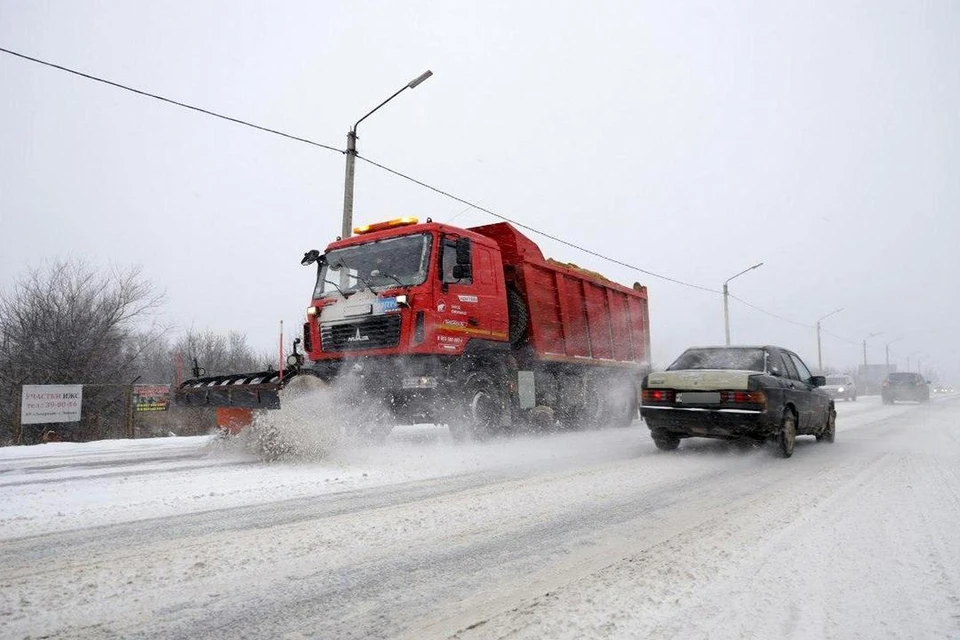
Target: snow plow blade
[(259, 390)]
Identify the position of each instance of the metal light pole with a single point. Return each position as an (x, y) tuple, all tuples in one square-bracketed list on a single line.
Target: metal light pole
[(888, 351), (352, 156), (819, 352), (726, 302)]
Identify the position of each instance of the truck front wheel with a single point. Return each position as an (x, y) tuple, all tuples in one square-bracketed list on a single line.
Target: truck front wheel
[(483, 407)]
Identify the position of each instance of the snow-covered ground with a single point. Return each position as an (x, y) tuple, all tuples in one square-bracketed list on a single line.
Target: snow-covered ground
[(576, 535)]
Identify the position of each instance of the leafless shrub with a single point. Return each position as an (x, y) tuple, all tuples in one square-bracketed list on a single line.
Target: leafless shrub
[(67, 323)]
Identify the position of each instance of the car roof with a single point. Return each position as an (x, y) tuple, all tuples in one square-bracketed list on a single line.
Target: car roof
[(737, 346)]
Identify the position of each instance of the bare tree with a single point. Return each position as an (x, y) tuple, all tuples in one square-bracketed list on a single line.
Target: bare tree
[(219, 354), (67, 323)]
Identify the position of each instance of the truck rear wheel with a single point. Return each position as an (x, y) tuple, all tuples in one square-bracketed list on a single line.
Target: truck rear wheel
[(622, 406), (517, 315)]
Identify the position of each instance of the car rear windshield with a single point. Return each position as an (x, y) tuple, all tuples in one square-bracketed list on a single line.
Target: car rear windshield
[(741, 359), (836, 380), (903, 377)]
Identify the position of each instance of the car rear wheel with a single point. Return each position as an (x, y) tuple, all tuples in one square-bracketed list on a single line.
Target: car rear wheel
[(665, 440), (829, 432), (787, 435)]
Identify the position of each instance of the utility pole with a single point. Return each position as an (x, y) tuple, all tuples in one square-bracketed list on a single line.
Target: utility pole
[(351, 153)]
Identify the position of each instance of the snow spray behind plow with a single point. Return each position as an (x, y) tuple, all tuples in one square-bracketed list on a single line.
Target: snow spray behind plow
[(315, 420)]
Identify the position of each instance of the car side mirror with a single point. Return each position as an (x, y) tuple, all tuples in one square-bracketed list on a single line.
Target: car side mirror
[(774, 371), (818, 381)]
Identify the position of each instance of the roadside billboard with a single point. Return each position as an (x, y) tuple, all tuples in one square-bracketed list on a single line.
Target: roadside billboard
[(43, 403), (151, 397)]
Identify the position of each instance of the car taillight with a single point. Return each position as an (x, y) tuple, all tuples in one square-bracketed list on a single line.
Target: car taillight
[(743, 397), (658, 395), (886, 383)]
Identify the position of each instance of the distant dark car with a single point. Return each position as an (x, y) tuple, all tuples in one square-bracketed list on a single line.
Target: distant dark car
[(841, 386), (904, 386), (759, 393)]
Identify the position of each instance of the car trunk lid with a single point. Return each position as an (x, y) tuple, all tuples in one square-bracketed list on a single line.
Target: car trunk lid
[(701, 380)]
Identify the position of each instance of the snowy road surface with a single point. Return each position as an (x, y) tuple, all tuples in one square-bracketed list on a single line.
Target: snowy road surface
[(577, 535)]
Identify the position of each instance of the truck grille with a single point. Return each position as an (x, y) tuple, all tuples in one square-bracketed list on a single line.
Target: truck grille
[(369, 333)]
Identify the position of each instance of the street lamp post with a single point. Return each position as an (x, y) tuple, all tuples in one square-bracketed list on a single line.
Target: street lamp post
[(819, 352), (726, 302), (351, 154), (888, 351)]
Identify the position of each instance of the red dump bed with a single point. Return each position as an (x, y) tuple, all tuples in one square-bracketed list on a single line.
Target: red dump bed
[(573, 313)]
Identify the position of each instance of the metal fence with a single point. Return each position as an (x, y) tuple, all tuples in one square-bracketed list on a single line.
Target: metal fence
[(111, 411)]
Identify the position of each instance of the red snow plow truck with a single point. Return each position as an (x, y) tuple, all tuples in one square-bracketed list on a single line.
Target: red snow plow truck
[(473, 328)]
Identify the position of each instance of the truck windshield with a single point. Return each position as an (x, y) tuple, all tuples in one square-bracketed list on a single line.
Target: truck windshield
[(393, 262), (744, 359)]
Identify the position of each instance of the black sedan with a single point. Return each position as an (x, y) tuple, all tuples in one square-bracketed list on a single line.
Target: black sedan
[(741, 392)]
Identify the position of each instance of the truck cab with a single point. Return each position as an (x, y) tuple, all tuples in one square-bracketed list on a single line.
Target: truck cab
[(426, 293)]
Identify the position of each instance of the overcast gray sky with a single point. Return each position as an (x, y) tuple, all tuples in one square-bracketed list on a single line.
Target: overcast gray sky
[(691, 139)]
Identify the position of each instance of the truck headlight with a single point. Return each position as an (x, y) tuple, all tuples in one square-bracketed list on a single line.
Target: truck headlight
[(419, 382)]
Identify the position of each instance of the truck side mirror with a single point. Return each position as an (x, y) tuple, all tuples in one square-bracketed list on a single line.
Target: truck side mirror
[(462, 271), (310, 257)]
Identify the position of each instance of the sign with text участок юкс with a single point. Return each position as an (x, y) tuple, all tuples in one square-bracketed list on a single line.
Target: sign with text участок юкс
[(42, 403)]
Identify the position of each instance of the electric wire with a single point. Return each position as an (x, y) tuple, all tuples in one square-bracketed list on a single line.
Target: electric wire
[(173, 102), (534, 230), (470, 205), (770, 313), (840, 338)]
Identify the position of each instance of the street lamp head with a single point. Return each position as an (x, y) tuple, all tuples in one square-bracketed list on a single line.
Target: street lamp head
[(759, 264), (830, 314), (420, 78)]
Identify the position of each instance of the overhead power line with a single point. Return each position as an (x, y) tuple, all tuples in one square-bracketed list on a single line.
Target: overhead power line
[(840, 338), (770, 313), (534, 230), (169, 101), (425, 185)]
